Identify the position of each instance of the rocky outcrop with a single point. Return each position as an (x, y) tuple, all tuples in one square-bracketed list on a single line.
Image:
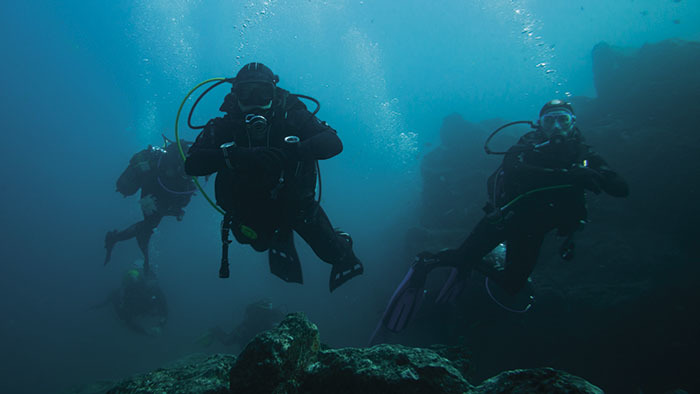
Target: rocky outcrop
[(290, 360), (383, 369), (196, 374), (275, 361), (540, 380)]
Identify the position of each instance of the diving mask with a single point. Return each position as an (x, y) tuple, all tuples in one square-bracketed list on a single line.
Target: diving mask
[(256, 94), (561, 121)]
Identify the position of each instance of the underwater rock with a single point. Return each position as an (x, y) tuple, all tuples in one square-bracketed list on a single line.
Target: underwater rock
[(539, 380), (291, 360), (459, 355), (275, 360), (654, 81), (198, 374), (383, 369)]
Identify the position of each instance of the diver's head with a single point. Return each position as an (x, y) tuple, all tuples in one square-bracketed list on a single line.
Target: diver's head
[(557, 120), (254, 87)]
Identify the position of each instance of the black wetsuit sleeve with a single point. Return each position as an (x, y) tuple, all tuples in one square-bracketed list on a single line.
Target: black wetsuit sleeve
[(612, 183), (205, 156), (515, 163), (319, 141)]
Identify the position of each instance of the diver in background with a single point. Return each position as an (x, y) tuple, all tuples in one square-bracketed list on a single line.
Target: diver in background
[(265, 152), (259, 316), (139, 303), (539, 187), (165, 191)]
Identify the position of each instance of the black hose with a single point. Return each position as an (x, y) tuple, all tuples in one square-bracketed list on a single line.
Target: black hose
[(486, 144)]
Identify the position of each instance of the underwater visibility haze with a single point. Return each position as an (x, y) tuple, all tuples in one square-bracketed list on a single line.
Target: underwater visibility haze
[(87, 85)]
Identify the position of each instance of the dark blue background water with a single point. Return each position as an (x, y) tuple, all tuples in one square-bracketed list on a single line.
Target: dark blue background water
[(87, 84)]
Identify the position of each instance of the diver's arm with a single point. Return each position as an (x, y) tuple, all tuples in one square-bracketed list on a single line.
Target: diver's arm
[(205, 157), (611, 182), (514, 163), (318, 140)]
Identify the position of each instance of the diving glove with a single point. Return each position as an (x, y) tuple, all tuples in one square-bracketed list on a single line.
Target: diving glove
[(587, 178), (269, 160)]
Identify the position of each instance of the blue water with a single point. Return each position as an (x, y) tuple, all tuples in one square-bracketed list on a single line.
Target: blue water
[(87, 84)]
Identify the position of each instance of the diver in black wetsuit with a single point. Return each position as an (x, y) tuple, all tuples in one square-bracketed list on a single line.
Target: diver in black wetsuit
[(265, 151), (540, 187), (165, 191), (139, 303)]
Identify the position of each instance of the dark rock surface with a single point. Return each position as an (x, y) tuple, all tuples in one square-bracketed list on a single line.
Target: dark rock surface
[(383, 369), (275, 360), (289, 359), (540, 380), (198, 374)]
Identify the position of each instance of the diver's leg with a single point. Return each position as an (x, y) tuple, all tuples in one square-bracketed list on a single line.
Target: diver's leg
[(143, 236), (317, 231), (485, 236), (522, 252), (115, 236), (331, 246)]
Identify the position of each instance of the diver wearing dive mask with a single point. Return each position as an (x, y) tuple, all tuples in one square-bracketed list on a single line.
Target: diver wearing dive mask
[(540, 187), (255, 97), (557, 121), (265, 152)]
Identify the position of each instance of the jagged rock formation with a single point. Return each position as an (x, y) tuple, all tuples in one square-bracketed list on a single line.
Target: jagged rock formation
[(290, 360), (198, 374)]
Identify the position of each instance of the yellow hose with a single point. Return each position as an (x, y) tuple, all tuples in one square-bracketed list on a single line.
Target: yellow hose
[(179, 145)]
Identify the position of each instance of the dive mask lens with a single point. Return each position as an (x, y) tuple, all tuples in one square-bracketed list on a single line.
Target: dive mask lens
[(254, 94), (562, 118)]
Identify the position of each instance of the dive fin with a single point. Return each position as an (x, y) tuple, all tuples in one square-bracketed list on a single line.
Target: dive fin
[(407, 298), (452, 288), (341, 275), (283, 258), (347, 268), (110, 241)]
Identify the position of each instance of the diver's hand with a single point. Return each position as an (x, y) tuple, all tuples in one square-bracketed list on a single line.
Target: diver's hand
[(587, 178), (270, 160)]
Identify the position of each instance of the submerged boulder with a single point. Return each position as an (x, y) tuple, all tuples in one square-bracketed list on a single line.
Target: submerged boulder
[(383, 369), (291, 360), (198, 374), (275, 360), (539, 380), (654, 82)]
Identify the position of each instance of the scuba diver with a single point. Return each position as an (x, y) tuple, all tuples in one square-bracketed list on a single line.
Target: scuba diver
[(259, 316), (139, 303), (539, 187), (265, 152), (165, 191)]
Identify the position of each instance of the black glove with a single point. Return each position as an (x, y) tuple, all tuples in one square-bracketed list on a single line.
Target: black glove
[(267, 160), (587, 178)]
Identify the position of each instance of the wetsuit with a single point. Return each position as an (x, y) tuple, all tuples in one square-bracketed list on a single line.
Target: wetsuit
[(267, 188), (539, 187), (142, 306), (165, 191)]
